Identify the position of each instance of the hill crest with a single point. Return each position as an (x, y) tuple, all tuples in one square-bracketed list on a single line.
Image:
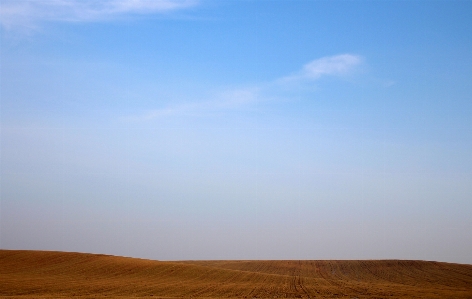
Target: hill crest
[(35, 274)]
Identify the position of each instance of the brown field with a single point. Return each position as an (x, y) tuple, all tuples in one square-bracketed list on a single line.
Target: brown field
[(42, 274)]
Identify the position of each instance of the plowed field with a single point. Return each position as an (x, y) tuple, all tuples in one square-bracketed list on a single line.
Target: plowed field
[(41, 274)]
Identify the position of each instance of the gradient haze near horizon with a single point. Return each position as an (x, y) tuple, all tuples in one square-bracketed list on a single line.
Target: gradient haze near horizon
[(237, 129)]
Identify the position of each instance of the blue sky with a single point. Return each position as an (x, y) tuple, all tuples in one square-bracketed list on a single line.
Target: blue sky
[(237, 129)]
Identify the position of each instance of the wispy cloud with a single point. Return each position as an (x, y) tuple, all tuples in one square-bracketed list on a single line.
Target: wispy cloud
[(28, 13), (331, 65), (337, 65), (226, 100)]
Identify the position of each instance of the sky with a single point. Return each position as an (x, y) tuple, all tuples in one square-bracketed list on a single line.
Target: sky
[(205, 129)]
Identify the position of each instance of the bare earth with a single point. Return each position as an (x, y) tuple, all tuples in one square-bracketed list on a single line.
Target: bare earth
[(44, 274)]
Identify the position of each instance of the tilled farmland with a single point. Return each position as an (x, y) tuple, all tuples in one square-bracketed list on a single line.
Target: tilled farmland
[(44, 274)]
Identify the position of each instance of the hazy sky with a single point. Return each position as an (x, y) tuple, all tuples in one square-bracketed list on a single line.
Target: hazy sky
[(212, 129)]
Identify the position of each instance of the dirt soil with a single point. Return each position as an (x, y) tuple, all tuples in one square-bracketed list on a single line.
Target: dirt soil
[(45, 274)]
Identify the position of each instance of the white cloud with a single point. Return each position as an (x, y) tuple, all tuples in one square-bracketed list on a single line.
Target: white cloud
[(230, 99), (238, 97), (234, 98), (27, 13), (331, 65)]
